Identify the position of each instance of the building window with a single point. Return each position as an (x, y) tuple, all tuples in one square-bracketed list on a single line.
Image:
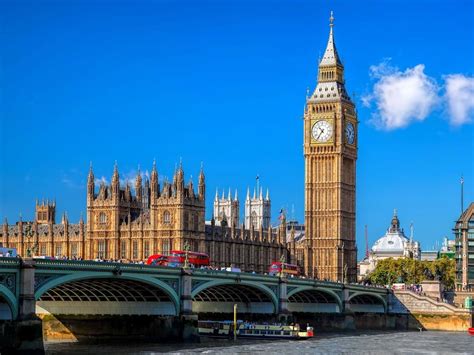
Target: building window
[(254, 219), (43, 250), (166, 217), (59, 250), (166, 247), (196, 222), (74, 250), (102, 218), (146, 249), (186, 221), (123, 249), (135, 250), (101, 249)]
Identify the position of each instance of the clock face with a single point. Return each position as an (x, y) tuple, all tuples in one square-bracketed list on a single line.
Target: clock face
[(322, 131), (350, 133)]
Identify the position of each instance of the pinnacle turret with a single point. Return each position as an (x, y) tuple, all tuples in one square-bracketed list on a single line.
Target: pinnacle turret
[(90, 177)]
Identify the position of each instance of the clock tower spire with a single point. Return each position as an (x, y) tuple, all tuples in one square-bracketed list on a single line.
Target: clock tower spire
[(330, 151)]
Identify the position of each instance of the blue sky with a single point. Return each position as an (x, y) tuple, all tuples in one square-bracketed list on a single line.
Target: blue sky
[(224, 83)]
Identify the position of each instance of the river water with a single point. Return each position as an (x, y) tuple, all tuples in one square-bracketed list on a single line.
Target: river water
[(329, 343)]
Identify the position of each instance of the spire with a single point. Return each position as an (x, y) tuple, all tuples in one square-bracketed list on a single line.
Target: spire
[(235, 196), (201, 174), (116, 169), (202, 184), (217, 195), (191, 187), (261, 194), (90, 183), (154, 188), (395, 224), (115, 176), (268, 195), (248, 194), (138, 181), (229, 195), (115, 181), (180, 176), (330, 57), (90, 177), (254, 193)]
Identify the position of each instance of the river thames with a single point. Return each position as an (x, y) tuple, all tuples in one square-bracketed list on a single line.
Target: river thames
[(329, 343)]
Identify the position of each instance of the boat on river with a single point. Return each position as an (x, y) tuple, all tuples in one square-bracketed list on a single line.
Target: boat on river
[(471, 331), (254, 330)]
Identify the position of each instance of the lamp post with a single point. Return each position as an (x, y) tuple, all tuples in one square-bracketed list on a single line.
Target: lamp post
[(186, 255), (282, 261), (344, 266)]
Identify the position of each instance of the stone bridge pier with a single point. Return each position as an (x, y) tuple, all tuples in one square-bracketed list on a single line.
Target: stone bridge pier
[(24, 334)]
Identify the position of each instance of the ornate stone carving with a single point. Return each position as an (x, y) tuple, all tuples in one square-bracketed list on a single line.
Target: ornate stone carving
[(8, 280), (40, 280)]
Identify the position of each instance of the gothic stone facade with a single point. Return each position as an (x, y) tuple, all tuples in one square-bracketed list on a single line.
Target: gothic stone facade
[(153, 220)]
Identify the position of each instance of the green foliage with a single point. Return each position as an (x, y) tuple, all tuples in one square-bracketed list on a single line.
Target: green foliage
[(412, 271)]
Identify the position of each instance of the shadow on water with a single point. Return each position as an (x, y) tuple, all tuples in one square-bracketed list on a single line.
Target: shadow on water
[(206, 344)]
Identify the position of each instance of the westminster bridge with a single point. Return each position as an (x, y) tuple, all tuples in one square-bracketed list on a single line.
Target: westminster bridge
[(73, 296)]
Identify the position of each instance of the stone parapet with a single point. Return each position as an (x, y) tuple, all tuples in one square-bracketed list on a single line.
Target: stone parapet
[(410, 302)]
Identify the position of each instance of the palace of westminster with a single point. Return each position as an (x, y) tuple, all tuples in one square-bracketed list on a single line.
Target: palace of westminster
[(157, 219)]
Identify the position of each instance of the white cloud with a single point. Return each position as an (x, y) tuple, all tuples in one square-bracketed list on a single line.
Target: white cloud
[(129, 177), (102, 179), (401, 97), (460, 98)]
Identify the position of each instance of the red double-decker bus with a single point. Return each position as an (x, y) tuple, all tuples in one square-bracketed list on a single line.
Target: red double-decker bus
[(166, 260), (153, 259), (277, 268), (194, 259), (177, 258)]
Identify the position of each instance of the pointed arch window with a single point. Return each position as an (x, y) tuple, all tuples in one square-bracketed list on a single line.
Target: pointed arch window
[(254, 219), (102, 218), (166, 217), (186, 221), (196, 222)]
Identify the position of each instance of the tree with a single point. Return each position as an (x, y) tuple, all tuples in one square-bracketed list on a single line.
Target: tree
[(412, 271)]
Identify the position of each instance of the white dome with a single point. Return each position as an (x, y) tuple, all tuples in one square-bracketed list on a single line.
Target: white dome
[(390, 243), (394, 241)]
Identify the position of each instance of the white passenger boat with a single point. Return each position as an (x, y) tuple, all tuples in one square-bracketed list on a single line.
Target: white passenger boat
[(254, 330)]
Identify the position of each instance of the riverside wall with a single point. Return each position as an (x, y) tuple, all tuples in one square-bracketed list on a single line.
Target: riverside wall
[(425, 313)]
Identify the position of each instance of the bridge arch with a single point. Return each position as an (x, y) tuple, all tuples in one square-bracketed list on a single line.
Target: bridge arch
[(97, 293), (310, 299), (219, 296), (8, 304), (367, 302)]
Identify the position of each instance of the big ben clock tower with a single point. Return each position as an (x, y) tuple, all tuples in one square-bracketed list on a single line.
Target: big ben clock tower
[(330, 152)]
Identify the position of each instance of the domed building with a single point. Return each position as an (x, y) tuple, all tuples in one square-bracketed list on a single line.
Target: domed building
[(394, 244)]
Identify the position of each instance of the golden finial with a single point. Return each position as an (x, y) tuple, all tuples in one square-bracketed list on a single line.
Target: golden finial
[(331, 19)]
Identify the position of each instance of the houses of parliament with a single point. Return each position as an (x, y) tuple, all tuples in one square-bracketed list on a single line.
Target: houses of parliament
[(153, 220), (156, 219)]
